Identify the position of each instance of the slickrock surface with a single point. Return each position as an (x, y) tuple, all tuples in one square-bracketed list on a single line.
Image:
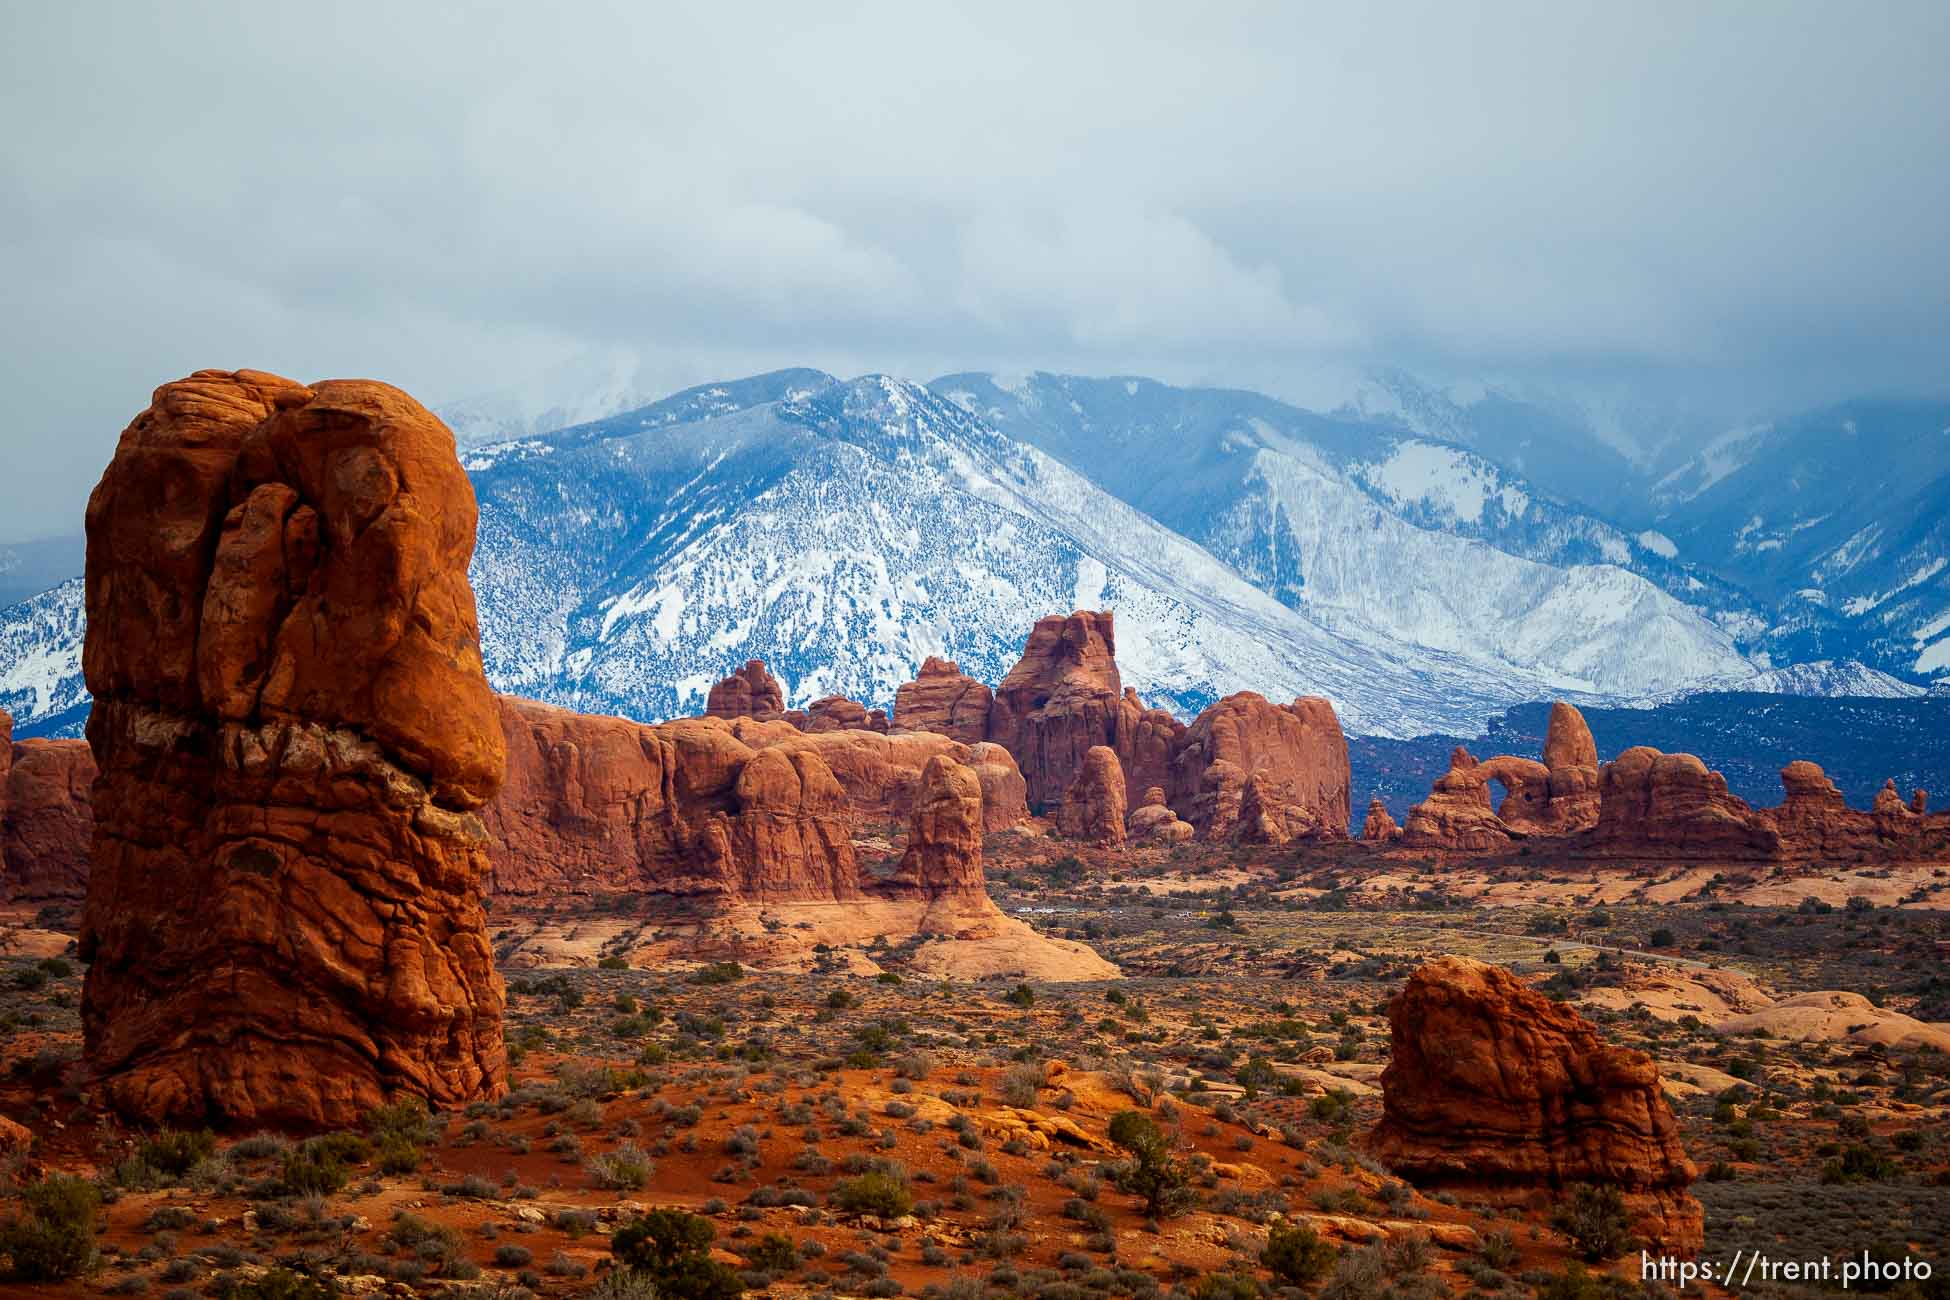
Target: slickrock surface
[(1093, 806), (1491, 1086), (294, 734), (750, 692), (1379, 826), (46, 824), (943, 699), (1060, 700), (1262, 772)]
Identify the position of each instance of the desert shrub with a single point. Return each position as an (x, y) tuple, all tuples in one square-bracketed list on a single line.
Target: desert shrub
[(1151, 1172), (1593, 1218), (773, 1252), (55, 1238), (626, 1169), (278, 1284), (1296, 1255), (176, 1153), (874, 1192), (312, 1168), (1021, 1084), (1226, 1286), (1358, 1275), (672, 1250)]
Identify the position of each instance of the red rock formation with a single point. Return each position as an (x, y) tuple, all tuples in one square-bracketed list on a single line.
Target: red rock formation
[(1457, 816), (943, 857), (1567, 739), (838, 713), (46, 824), (1658, 806), (750, 692), (1379, 827), (1153, 820), (683, 810), (1145, 741), (1265, 773), (1093, 806), (1919, 802), (881, 773), (943, 699), (1061, 699), (284, 922), (1492, 1087)]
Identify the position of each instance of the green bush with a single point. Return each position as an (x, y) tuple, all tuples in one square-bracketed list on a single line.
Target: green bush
[(1225, 1286), (278, 1284), (312, 1169), (1594, 1219), (874, 1192), (672, 1250), (773, 1252), (1151, 1172), (175, 1153), (1296, 1255), (55, 1238)]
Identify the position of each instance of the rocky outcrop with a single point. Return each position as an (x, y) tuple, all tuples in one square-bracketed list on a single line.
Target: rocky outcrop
[(1060, 700), (46, 822), (943, 857), (945, 700), (1457, 815), (1145, 742), (1657, 806), (1493, 1088), (1153, 821), (750, 692), (1379, 827), (881, 773), (1093, 806), (683, 810), (283, 923), (1263, 773), (1567, 739), (838, 713)]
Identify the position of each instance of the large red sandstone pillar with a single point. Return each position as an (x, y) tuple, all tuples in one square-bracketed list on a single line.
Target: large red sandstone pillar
[(284, 921)]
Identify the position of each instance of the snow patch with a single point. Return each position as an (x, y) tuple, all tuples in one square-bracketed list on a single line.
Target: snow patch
[(1658, 543)]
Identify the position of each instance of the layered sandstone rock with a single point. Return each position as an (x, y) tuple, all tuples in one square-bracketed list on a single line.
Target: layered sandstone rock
[(46, 823), (294, 734), (684, 810), (1457, 815), (1379, 827), (881, 773), (1154, 821), (945, 700), (943, 857), (1492, 1087), (1093, 806), (1655, 805), (1567, 739), (750, 692), (838, 713), (1145, 742), (1264, 773), (1060, 700)]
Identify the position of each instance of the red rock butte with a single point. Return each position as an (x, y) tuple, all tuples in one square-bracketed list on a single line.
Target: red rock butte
[(1493, 1088), (294, 735)]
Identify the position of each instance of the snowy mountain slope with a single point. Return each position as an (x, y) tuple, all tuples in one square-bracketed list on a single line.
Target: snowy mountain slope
[(1843, 517), (846, 535), (1378, 534), (40, 662)]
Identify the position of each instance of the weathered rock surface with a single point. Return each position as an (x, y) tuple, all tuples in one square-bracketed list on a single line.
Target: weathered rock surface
[(881, 773), (943, 699), (1146, 740), (1457, 815), (838, 713), (1492, 1087), (46, 823), (1655, 805), (1093, 806), (943, 857), (1154, 821), (1060, 700), (1379, 827), (294, 733), (1263, 773), (750, 692), (1567, 739), (684, 810)]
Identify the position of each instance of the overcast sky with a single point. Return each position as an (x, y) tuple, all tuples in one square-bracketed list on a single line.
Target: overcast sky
[(1749, 199)]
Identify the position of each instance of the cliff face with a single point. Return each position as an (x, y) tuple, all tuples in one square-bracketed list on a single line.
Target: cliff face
[(1264, 773), (1060, 700), (283, 920)]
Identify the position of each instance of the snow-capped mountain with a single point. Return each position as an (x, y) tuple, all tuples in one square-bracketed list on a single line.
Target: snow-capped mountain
[(586, 387), (1842, 516), (1376, 533), (845, 531)]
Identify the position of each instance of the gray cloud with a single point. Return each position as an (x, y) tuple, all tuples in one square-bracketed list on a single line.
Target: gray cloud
[(1734, 199)]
